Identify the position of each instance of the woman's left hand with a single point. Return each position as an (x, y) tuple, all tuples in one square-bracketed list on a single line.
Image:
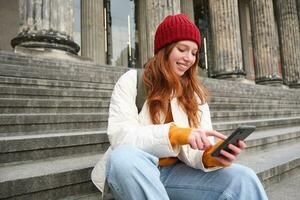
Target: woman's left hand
[(227, 158)]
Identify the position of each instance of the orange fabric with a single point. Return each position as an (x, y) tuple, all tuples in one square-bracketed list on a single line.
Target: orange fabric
[(167, 161), (179, 136), (210, 161)]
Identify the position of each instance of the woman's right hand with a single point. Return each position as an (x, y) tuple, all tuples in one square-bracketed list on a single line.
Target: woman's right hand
[(198, 138)]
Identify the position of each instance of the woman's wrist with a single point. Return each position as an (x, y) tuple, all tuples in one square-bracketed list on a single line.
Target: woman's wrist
[(179, 136)]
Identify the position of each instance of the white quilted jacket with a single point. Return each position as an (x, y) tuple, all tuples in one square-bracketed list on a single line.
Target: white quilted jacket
[(126, 126)]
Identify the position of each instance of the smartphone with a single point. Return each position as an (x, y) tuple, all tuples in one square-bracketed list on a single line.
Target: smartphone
[(239, 134)]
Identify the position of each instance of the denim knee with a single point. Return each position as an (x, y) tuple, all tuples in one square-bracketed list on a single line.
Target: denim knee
[(244, 171), (242, 175), (121, 158), (125, 158), (244, 183)]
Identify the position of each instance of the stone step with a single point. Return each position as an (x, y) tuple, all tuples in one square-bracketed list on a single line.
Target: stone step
[(16, 124), (262, 139), (16, 105), (31, 179), (241, 99), (229, 115), (20, 124), (110, 77), (231, 88), (48, 178), (45, 145), (219, 110), (40, 63), (38, 82), (236, 85), (24, 122), (243, 106), (263, 95), (51, 74), (92, 196), (39, 146), (261, 124), (286, 189), (83, 66), (33, 92), (272, 162)]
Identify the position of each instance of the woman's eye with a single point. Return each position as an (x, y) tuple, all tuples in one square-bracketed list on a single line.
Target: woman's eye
[(181, 50)]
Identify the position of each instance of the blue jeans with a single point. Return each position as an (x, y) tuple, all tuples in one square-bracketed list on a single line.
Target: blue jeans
[(133, 174)]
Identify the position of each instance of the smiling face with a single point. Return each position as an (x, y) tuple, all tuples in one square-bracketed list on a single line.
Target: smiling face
[(183, 56)]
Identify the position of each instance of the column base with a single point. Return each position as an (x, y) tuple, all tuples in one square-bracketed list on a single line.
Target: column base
[(50, 54), (294, 85), (272, 81), (229, 75), (46, 39)]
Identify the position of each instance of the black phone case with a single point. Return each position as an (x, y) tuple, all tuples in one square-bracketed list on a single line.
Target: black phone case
[(241, 133)]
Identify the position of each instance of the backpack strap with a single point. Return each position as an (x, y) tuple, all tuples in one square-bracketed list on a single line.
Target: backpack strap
[(140, 95)]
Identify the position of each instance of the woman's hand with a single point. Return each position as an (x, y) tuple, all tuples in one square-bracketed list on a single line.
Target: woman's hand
[(227, 158), (198, 138)]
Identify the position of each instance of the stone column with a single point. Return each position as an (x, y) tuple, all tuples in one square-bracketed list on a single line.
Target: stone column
[(226, 39), (46, 24), (187, 7), (289, 41), (246, 40), (298, 9), (151, 13), (92, 30), (265, 43)]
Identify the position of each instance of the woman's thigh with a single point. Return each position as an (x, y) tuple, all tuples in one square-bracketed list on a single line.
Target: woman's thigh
[(234, 182)]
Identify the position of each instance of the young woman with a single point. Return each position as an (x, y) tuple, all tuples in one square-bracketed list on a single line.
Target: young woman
[(163, 152)]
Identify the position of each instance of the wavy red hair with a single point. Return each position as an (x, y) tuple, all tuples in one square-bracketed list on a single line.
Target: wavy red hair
[(162, 84)]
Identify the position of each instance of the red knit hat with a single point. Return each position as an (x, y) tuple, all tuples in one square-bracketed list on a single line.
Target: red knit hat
[(175, 28)]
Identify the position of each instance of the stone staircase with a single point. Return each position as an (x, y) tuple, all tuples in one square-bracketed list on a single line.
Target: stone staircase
[(53, 118)]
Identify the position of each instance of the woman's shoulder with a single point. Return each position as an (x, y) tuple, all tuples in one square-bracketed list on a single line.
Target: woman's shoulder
[(130, 74), (126, 82)]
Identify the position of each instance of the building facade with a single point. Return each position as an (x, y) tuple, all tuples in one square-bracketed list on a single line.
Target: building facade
[(254, 40)]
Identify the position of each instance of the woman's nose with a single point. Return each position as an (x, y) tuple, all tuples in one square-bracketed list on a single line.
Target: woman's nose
[(188, 57)]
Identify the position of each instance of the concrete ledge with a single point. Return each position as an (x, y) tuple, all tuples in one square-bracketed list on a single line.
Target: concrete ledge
[(54, 92), (241, 99), (261, 124), (260, 140), (50, 74), (45, 175), (273, 161), (28, 124), (27, 60), (37, 82), (229, 115), (51, 140)]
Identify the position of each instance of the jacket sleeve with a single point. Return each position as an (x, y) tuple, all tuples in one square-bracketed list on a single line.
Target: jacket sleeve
[(124, 126)]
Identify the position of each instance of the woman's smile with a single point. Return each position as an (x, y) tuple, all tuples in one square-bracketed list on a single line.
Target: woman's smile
[(183, 56)]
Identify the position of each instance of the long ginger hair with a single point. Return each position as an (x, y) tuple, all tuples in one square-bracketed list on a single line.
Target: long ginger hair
[(162, 84)]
